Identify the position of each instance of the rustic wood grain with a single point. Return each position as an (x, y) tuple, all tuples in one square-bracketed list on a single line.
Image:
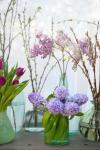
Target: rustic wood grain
[(35, 141)]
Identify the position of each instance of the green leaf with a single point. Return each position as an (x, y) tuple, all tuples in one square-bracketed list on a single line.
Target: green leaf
[(6, 69), (71, 117), (4, 87), (50, 96), (62, 128), (8, 102), (21, 86), (11, 74), (51, 125), (1, 72), (79, 114), (45, 118), (11, 92)]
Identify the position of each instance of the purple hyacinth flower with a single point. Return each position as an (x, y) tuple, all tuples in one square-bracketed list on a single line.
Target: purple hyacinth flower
[(55, 106), (61, 92), (36, 99), (80, 99), (70, 108)]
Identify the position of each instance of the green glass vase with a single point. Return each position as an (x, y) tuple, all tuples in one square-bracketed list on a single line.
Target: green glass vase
[(56, 129), (90, 124), (63, 80), (7, 133), (72, 131)]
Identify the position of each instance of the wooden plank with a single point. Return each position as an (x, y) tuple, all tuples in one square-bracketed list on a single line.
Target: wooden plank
[(35, 141)]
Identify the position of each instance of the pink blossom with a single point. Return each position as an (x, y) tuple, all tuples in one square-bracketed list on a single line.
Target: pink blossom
[(84, 46), (35, 51), (44, 46), (76, 55), (61, 39)]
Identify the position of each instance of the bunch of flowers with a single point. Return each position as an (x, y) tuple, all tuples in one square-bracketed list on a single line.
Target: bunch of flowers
[(85, 54), (64, 104), (36, 99), (10, 86), (60, 102), (60, 105)]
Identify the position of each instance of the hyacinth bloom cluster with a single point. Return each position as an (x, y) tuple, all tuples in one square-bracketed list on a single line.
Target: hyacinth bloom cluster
[(61, 92), (63, 104), (71, 108), (43, 47), (79, 98), (55, 106), (36, 99), (60, 103)]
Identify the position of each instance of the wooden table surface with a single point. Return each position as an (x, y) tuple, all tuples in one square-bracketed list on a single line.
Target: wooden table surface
[(34, 141)]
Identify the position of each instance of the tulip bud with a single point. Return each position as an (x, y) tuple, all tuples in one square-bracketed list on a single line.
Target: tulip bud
[(20, 71)]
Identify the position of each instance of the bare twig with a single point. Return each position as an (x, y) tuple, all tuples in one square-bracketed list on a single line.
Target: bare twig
[(41, 77), (48, 75), (4, 27)]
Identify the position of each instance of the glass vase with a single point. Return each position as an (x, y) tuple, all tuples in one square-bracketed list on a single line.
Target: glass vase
[(63, 80), (90, 124), (33, 121), (7, 133), (16, 113), (72, 130), (56, 129)]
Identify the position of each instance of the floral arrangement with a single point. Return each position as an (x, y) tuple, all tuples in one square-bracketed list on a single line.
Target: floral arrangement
[(60, 102), (40, 49), (85, 54), (58, 107), (10, 86)]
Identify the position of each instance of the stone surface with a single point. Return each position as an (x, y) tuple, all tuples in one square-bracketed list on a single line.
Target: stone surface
[(35, 141)]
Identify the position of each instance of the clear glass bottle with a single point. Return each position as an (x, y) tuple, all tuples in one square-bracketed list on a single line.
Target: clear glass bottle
[(72, 131), (33, 121), (90, 124), (16, 113)]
